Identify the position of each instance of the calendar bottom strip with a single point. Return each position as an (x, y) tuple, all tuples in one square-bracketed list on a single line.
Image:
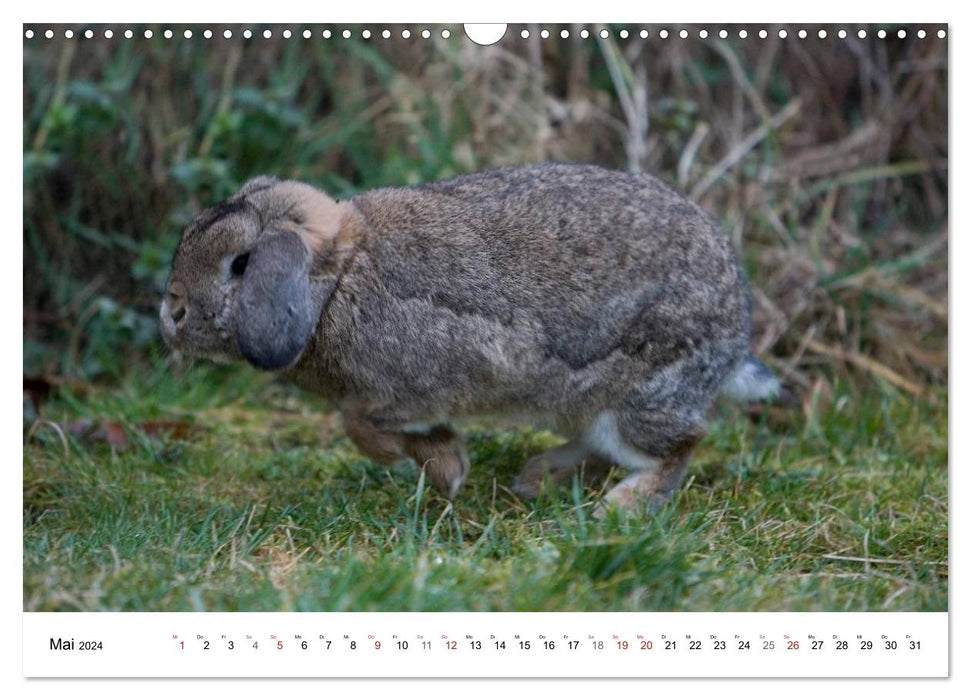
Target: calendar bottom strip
[(482, 645)]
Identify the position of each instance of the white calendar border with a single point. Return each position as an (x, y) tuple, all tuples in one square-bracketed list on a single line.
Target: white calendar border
[(510, 11)]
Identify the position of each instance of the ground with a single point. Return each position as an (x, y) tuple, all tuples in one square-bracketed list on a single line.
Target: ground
[(220, 489)]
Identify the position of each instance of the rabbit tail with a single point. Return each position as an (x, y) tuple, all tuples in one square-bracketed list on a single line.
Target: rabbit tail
[(751, 381)]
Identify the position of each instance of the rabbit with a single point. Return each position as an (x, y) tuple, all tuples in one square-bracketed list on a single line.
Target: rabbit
[(598, 303)]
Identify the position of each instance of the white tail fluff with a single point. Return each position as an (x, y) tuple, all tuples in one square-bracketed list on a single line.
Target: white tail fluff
[(751, 381)]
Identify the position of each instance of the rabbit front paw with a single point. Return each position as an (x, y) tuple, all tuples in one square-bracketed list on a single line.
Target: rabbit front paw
[(441, 454), (557, 466)]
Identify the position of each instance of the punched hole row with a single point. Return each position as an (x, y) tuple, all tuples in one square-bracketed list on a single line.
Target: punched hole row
[(525, 34)]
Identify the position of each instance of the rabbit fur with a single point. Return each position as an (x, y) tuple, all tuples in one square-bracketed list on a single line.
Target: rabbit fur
[(601, 304)]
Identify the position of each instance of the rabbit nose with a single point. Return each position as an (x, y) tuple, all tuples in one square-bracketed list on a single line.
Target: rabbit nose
[(176, 299)]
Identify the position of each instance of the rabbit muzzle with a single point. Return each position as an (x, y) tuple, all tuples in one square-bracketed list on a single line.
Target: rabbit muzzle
[(173, 312)]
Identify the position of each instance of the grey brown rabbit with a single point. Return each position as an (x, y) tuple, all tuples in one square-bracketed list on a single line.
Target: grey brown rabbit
[(599, 303)]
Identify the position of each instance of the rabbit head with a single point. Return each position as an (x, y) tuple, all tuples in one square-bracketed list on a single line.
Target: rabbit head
[(252, 274)]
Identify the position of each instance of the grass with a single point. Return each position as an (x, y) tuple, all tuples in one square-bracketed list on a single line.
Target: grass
[(261, 503)]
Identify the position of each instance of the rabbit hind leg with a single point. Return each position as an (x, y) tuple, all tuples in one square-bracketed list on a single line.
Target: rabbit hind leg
[(652, 489), (654, 447)]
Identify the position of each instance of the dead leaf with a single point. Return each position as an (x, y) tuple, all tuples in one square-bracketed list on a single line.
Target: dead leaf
[(117, 435)]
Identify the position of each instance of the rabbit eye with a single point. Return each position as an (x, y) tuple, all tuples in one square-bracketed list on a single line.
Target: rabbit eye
[(239, 264)]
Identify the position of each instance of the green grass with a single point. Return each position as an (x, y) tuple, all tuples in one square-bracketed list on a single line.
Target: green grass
[(266, 505)]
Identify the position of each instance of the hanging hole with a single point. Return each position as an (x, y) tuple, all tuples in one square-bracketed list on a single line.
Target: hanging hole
[(485, 34)]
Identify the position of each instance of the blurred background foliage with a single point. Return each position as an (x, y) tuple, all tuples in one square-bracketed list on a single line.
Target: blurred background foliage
[(824, 158)]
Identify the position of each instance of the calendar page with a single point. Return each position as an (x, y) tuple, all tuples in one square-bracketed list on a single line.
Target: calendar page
[(524, 350)]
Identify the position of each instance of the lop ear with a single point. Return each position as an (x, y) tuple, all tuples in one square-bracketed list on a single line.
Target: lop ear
[(274, 319)]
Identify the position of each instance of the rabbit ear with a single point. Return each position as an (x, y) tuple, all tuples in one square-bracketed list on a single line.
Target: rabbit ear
[(274, 319)]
